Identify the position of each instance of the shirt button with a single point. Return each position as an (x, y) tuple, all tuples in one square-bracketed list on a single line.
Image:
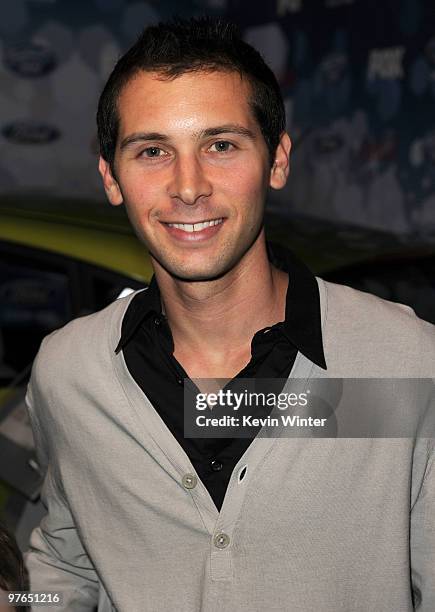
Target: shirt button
[(215, 465), (189, 481), (221, 540)]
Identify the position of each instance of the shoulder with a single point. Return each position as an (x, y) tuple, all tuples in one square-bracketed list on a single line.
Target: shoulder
[(82, 343), (370, 330), (360, 310)]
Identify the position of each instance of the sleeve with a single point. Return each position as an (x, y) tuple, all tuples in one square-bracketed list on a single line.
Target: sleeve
[(422, 540), (56, 559)]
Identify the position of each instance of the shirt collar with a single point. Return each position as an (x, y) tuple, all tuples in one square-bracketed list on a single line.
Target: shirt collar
[(144, 304), (303, 321), (302, 324)]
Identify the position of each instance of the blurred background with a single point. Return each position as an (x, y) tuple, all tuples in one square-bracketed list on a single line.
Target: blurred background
[(358, 79)]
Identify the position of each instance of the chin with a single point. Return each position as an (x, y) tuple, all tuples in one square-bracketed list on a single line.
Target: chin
[(192, 275), (201, 272), (202, 266)]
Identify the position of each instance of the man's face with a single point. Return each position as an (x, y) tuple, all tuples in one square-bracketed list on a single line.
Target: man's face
[(192, 168)]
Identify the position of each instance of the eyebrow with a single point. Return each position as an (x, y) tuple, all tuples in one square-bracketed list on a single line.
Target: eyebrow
[(231, 128)]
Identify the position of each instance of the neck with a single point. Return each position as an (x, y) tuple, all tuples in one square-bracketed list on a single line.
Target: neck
[(213, 322)]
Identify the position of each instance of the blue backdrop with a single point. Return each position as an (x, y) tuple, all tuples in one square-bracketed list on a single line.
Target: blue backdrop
[(358, 77)]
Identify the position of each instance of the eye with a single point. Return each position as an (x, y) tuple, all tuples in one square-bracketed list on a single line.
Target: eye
[(152, 152), (222, 146)]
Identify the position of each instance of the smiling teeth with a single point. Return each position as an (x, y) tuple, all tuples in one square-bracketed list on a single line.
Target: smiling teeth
[(195, 227)]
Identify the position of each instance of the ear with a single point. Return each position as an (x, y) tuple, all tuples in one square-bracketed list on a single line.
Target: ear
[(281, 166), (111, 186)]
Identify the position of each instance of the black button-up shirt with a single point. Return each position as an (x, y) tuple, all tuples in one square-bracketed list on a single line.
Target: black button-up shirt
[(147, 344)]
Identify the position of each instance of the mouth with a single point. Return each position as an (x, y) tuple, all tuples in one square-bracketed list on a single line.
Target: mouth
[(198, 233), (196, 227)]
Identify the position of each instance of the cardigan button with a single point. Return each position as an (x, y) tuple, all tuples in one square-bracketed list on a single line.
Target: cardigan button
[(189, 481), (221, 540)]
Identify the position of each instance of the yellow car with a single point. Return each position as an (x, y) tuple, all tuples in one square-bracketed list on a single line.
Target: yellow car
[(57, 261)]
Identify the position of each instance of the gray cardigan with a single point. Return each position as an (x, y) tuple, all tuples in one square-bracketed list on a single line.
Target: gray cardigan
[(315, 525)]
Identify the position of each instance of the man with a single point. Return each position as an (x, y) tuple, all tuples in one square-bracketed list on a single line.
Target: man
[(191, 126)]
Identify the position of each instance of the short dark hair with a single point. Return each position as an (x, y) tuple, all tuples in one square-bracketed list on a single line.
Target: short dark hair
[(13, 574), (197, 44)]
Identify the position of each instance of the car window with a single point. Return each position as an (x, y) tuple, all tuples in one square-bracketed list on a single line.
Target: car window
[(35, 299), (105, 286), (40, 291)]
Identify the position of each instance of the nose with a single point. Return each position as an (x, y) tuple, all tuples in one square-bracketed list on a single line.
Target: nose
[(189, 182)]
